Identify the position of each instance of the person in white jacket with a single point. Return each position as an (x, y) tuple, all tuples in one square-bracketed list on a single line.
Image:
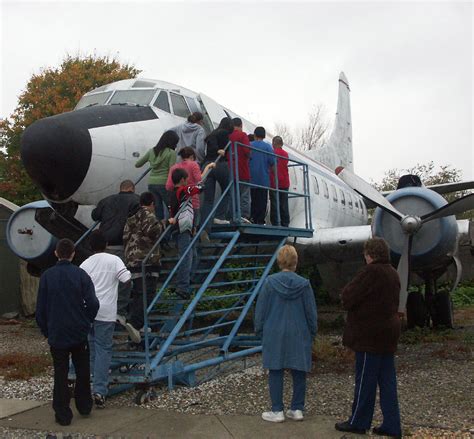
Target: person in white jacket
[(191, 133), (106, 271)]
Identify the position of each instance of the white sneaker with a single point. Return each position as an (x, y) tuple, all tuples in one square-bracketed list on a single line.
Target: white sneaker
[(133, 333), (121, 319), (220, 221), (273, 416), (245, 220), (296, 415)]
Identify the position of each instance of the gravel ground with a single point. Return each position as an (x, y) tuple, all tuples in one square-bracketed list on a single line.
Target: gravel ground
[(436, 388)]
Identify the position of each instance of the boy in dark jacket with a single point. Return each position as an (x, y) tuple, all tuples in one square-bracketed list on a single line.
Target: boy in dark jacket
[(65, 309)]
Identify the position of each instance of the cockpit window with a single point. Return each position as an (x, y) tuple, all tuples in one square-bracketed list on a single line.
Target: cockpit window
[(162, 102), (132, 97), (192, 104), (95, 99), (179, 105)]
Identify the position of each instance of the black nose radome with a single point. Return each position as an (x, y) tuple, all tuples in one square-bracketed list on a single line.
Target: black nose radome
[(56, 154)]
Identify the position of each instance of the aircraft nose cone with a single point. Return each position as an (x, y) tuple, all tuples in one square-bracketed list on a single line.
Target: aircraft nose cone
[(56, 155)]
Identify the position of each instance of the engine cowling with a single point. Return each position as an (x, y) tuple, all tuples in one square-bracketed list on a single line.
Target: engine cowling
[(434, 243)]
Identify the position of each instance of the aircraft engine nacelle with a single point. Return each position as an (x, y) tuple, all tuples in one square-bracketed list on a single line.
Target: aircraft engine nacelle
[(434, 243), (28, 239)]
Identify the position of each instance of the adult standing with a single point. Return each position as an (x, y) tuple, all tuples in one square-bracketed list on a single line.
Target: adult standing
[(161, 157), (65, 309), (216, 143), (238, 136), (286, 319), (372, 331), (283, 185), (192, 134), (112, 212), (261, 164)]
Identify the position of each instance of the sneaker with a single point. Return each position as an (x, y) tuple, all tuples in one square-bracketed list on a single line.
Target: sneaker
[(348, 428), (273, 416), (133, 333), (121, 319), (220, 221), (245, 220), (296, 415), (99, 400)]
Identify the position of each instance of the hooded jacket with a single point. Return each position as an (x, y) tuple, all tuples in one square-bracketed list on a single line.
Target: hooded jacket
[(371, 300), (191, 134), (286, 319), (160, 164)]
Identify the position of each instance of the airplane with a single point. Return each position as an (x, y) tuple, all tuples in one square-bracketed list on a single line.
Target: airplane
[(79, 157)]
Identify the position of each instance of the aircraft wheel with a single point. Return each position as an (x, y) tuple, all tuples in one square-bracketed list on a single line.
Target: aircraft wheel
[(141, 397), (417, 311), (443, 310)]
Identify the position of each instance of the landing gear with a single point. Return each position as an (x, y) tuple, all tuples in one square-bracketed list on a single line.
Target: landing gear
[(417, 311), (442, 310), (144, 396)]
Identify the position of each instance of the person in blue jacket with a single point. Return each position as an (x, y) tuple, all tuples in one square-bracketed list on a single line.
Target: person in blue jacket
[(65, 310), (286, 319)]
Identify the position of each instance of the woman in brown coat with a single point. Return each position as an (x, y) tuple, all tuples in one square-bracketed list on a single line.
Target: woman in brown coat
[(372, 331)]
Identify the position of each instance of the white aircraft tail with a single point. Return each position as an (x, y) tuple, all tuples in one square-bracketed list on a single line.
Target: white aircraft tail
[(337, 151)]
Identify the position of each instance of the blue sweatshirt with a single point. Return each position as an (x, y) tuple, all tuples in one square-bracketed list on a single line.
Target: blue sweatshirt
[(66, 305), (260, 163)]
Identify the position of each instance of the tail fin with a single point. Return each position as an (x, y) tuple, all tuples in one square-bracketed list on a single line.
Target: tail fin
[(337, 151)]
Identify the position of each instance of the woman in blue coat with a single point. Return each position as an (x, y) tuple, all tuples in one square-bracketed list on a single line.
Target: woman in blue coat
[(285, 318)]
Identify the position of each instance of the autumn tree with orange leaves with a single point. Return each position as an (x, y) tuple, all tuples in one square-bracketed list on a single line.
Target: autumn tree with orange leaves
[(52, 91)]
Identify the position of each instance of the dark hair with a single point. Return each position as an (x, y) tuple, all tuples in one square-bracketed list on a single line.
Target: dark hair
[(146, 199), (126, 185), (251, 137), (226, 124), (187, 152), (178, 174), (97, 241), (237, 121), (169, 139), (377, 249), (195, 117), (64, 248), (260, 132), (277, 140)]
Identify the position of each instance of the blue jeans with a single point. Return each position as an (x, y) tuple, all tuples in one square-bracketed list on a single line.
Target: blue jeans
[(373, 370), (183, 275), (221, 175), (275, 383), (244, 200), (100, 346), (161, 199)]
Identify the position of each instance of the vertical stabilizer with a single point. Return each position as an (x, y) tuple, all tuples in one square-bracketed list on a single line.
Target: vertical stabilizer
[(337, 151)]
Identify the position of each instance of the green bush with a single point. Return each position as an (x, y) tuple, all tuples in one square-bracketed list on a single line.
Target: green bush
[(463, 296)]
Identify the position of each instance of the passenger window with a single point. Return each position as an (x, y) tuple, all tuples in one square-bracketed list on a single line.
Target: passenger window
[(179, 105), (343, 198), (192, 104), (334, 193), (315, 186), (162, 102), (326, 190), (350, 200), (356, 204)]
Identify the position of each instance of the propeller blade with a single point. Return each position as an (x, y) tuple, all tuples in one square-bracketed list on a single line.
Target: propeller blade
[(366, 190), (403, 270), (457, 206)]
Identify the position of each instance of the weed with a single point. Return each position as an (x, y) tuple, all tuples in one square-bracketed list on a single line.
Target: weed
[(428, 335), (331, 356), (22, 366)]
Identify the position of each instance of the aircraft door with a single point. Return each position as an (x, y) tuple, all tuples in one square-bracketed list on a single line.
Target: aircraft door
[(212, 111)]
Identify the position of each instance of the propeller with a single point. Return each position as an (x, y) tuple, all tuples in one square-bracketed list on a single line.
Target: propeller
[(410, 224)]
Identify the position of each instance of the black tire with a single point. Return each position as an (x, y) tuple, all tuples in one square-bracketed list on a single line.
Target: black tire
[(141, 397), (443, 310), (417, 311)]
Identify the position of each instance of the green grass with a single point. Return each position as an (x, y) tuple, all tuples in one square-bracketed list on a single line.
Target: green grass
[(463, 296)]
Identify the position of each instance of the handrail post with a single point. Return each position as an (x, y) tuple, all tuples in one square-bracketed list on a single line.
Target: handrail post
[(231, 163), (277, 192), (237, 181)]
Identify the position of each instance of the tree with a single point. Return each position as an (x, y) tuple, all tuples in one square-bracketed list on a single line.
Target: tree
[(50, 92), (312, 135)]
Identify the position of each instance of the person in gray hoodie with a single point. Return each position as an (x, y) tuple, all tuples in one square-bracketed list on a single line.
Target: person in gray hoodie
[(191, 133), (286, 319)]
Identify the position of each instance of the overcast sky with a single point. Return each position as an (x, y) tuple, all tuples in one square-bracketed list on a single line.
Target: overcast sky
[(409, 65)]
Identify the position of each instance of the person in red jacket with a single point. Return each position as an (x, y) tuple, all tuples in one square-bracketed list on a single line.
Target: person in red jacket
[(243, 153), (283, 185)]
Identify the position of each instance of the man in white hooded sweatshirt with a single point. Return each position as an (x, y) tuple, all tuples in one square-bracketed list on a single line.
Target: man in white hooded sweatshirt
[(191, 133)]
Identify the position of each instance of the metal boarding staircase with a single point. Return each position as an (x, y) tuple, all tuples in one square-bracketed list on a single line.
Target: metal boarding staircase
[(186, 341)]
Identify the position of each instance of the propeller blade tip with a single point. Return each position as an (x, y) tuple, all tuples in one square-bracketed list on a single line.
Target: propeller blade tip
[(339, 169)]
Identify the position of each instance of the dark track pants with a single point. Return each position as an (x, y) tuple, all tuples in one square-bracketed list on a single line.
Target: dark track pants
[(82, 389), (259, 205), (284, 209), (373, 370)]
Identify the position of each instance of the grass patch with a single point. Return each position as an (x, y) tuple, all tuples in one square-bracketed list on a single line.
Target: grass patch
[(463, 296), (21, 366), (330, 356), (428, 335), (453, 351)]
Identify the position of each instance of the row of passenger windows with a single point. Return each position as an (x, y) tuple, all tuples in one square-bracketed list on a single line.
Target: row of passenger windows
[(181, 106), (343, 197)]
